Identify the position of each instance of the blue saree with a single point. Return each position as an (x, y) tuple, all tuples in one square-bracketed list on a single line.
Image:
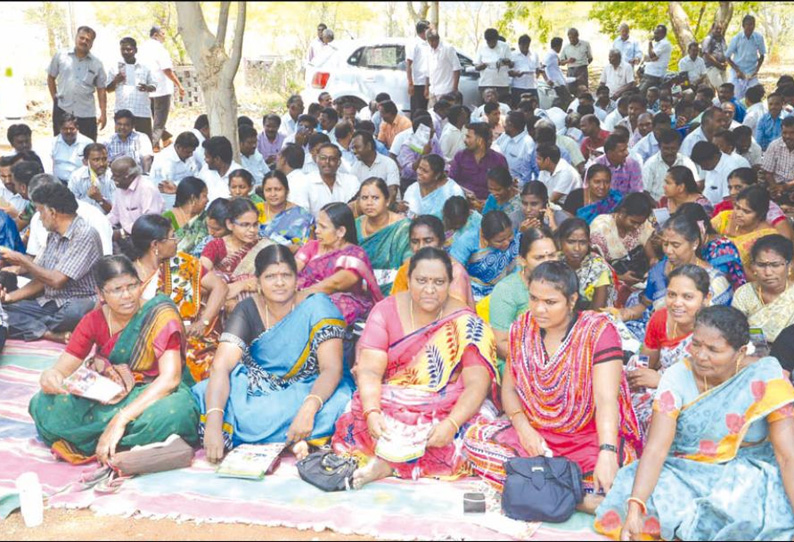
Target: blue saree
[(486, 266), (277, 371), (387, 249), (720, 480), (292, 226), (9, 234), (604, 207)]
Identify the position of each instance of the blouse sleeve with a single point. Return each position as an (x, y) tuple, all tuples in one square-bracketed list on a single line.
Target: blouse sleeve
[(656, 331), (609, 346), (243, 325), (668, 399), (213, 251), (376, 333), (85, 335), (783, 413), (306, 252)]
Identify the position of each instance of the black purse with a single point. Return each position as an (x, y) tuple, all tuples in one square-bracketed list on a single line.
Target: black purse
[(541, 489), (327, 471)]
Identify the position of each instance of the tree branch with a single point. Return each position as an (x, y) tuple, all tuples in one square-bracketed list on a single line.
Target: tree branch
[(223, 23), (193, 28), (237, 45)]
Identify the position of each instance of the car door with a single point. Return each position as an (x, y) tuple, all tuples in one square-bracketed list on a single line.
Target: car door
[(469, 81), (381, 68)]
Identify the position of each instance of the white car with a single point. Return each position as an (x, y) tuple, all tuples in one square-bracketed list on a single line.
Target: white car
[(361, 69)]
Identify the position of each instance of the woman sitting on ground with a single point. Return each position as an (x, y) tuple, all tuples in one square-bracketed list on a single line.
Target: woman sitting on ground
[(742, 178), (680, 188), (596, 198), (425, 366), (489, 255), (719, 460), (188, 217), (214, 228), (232, 256), (282, 221), (596, 280), (563, 391), (668, 335), (381, 233), (277, 373), (180, 276), (140, 343), (431, 189), (538, 211), (428, 231), (503, 196), (510, 297), (717, 250), (335, 265), (241, 185), (459, 220), (768, 301), (747, 222)]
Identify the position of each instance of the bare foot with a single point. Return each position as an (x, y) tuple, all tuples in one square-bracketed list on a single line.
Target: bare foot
[(376, 469), (301, 449), (590, 503)]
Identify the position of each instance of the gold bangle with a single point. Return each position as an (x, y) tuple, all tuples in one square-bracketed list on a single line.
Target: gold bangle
[(216, 409), (319, 400), (371, 411), (453, 422), (639, 502), (511, 416)]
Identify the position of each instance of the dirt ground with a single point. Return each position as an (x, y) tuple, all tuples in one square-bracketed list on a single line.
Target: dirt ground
[(85, 525)]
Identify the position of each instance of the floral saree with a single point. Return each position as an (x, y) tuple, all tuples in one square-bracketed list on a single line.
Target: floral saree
[(744, 242), (720, 480), (293, 226), (487, 266), (387, 249), (191, 233)]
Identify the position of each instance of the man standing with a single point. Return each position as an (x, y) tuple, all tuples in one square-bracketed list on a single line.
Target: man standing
[(154, 55), (327, 185), (316, 45), (67, 149), (443, 69), (135, 196), (218, 163), (657, 59), (72, 78), (127, 142), (630, 50), (746, 54), (554, 76), (92, 183), (525, 68), (470, 167), (577, 55), (618, 76), (132, 82), (416, 67), (714, 47), (493, 62)]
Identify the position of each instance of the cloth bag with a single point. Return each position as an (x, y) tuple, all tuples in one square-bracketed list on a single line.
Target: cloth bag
[(174, 453), (541, 489), (327, 471)]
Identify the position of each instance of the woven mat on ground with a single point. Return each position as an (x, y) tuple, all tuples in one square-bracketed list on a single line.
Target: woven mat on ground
[(392, 509)]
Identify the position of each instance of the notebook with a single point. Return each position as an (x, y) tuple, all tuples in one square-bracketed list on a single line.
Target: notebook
[(90, 384), (250, 461)]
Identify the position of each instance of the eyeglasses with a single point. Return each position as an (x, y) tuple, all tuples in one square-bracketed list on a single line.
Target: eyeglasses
[(769, 265), (246, 225), (121, 290)]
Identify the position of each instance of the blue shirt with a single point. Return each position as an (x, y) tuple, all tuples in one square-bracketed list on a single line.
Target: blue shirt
[(745, 51), (740, 110), (520, 154), (768, 130)]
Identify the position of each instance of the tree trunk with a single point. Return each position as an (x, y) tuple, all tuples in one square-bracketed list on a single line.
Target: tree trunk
[(434, 14), (724, 14), (417, 16), (679, 20)]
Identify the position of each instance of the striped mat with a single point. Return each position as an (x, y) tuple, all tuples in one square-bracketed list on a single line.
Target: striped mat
[(392, 509)]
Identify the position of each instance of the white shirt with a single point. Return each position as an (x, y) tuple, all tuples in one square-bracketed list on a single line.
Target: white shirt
[(716, 180), (95, 218), (442, 63), (478, 115), (417, 52), (413, 197), (612, 120), (399, 139), (690, 140), (167, 166), (753, 115), (646, 147), (288, 126), (694, 68), (615, 78), (313, 194), (551, 63), (217, 186), (525, 63), (154, 55), (754, 154), (83, 178), (67, 158), (127, 94), (383, 167), (663, 50), (518, 153), (255, 165), (655, 170), (629, 50), (17, 202), (564, 179), (491, 76), (452, 141), (314, 46)]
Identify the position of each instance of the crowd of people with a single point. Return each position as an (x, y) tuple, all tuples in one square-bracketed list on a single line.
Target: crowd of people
[(606, 280)]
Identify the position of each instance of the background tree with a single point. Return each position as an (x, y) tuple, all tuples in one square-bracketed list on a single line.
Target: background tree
[(52, 16), (215, 67), (528, 16), (426, 9)]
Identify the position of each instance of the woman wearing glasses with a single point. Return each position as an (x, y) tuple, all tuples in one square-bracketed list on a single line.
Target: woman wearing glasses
[(232, 256), (140, 345)]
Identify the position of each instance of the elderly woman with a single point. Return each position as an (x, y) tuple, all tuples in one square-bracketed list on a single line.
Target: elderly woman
[(277, 374), (768, 302), (425, 366), (719, 460), (335, 265), (503, 196), (563, 390), (432, 188), (282, 221), (489, 254), (596, 198), (187, 217), (381, 233), (139, 343), (747, 222), (428, 231), (596, 280)]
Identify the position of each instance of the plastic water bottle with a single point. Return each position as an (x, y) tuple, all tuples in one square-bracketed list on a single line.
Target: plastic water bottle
[(30, 499)]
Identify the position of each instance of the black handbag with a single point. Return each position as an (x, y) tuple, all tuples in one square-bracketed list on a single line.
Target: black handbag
[(327, 471), (541, 489)]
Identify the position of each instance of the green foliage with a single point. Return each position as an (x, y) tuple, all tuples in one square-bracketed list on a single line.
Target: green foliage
[(530, 16)]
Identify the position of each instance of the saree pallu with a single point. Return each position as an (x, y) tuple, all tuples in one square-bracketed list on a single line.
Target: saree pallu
[(421, 386), (293, 226), (77, 423), (721, 480), (772, 317), (487, 266), (354, 304), (745, 242), (593, 273), (512, 208), (191, 234), (276, 374), (557, 397), (387, 249), (606, 206), (722, 255), (9, 234)]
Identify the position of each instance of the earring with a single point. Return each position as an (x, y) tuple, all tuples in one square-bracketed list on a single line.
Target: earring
[(156, 252)]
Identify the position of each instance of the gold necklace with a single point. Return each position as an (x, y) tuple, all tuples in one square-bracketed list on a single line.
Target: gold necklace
[(413, 324)]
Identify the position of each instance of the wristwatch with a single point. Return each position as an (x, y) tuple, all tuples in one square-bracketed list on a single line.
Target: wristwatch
[(608, 448)]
